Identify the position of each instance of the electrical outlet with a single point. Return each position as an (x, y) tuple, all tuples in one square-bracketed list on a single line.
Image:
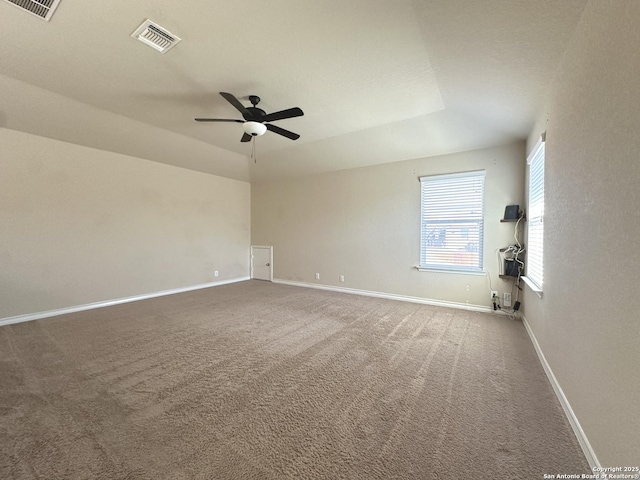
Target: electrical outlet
[(506, 302), (494, 294), (317, 276), (342, 278), (216, 273)]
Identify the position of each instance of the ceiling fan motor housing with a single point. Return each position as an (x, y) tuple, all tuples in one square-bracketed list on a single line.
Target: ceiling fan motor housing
[(255, 114)]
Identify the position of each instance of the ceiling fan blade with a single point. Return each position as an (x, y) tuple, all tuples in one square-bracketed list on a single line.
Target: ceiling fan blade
[(282, 114), (236, 103), (217, 120), (246, 138), (283, 132)]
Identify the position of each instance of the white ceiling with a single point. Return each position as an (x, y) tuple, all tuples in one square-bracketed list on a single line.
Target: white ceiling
[(379, 81)]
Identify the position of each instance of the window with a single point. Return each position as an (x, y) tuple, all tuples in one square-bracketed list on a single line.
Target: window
[(451, 236), (535, 217)]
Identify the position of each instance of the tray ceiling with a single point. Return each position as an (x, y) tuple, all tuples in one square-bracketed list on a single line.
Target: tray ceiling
[(378, 81)]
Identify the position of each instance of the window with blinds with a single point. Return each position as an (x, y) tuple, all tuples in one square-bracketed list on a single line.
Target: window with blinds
[(536, 215), (451, 235)]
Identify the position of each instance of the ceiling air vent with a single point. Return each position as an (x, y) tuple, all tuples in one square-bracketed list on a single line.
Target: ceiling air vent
[(155, 36), (40, 8)]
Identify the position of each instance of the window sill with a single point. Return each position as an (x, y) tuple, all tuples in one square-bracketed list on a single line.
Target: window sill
[(447, 270), (535, 288)]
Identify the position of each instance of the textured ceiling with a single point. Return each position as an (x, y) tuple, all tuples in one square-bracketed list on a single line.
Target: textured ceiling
[(379, 81)]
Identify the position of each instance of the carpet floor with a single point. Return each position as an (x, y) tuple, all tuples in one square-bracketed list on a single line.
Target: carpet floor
[(256, 380)]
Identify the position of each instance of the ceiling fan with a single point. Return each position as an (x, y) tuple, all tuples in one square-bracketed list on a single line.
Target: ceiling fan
[(254, 123)]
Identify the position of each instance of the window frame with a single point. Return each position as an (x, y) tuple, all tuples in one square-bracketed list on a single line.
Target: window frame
[(425, 181), (534, 277)]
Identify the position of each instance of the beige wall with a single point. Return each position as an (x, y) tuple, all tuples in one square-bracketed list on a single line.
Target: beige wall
[(365, 224), (587, 322), (81, 225)]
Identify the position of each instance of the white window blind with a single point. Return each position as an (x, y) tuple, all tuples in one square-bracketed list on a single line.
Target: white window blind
[(535, 215), (452, 221)]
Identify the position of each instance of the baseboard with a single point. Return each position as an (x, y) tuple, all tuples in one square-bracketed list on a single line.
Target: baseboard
[(392, 296), (108, 303), (571, 416)]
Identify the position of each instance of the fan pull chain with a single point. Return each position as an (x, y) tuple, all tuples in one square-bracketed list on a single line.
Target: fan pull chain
[(253, 150)]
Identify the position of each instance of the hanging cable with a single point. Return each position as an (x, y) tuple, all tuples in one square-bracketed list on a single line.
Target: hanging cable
[(520, 249), (515, 233), (253, 150)]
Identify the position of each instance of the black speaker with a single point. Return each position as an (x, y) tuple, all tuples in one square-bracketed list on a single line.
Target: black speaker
[(511, 267), (512, 212)]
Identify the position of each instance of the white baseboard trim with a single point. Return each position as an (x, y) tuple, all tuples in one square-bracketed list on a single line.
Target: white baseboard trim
[(108, 303), (568, 411), (392, 296)]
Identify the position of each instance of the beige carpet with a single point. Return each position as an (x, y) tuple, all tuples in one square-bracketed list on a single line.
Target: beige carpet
[(262, 381)]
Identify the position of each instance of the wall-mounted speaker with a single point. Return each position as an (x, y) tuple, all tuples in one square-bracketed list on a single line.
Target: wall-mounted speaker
[(512, 212)]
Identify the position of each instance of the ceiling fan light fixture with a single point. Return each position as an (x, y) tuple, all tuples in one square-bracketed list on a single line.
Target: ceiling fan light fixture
[(254, 129)]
